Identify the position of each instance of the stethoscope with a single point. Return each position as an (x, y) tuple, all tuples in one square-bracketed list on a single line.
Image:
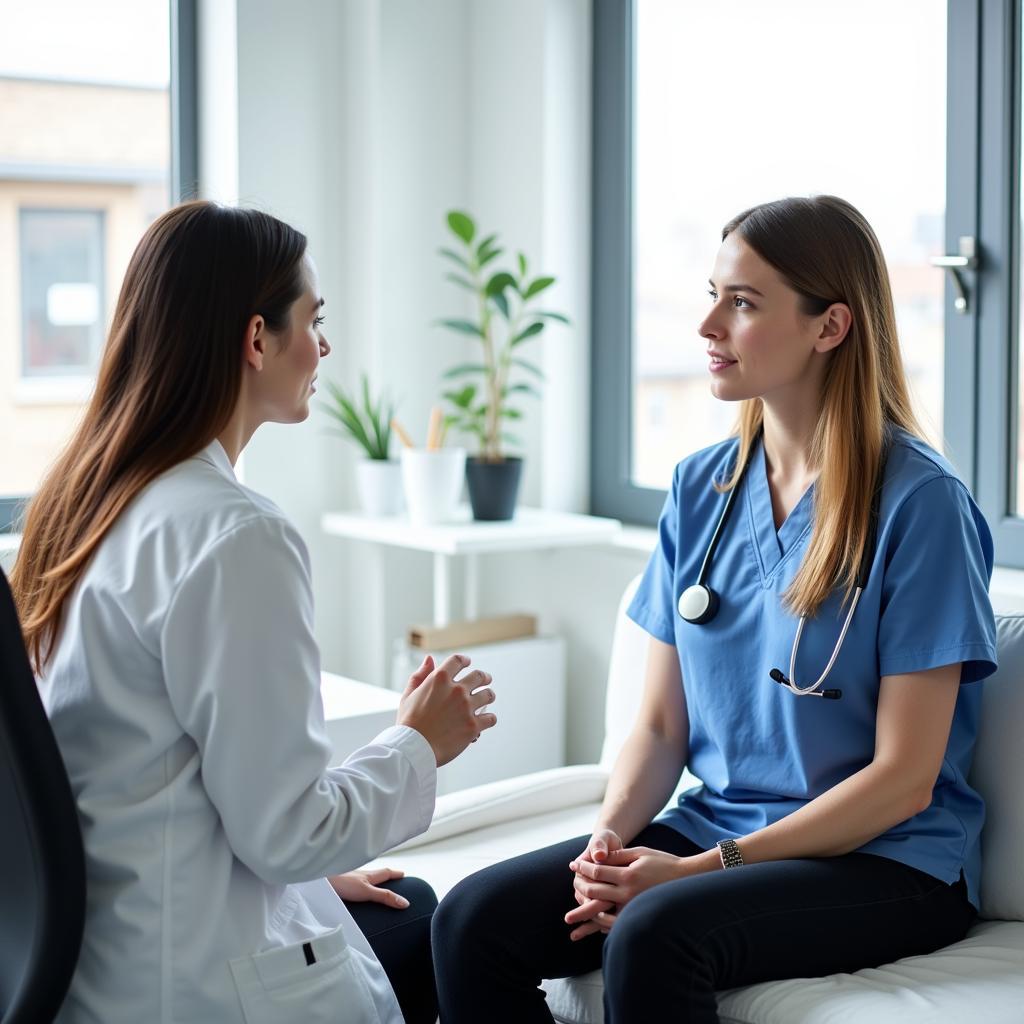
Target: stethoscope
[(698, 603)]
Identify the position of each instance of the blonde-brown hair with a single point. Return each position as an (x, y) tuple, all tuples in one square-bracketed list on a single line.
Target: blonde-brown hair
[(168, 382), (827, 252)]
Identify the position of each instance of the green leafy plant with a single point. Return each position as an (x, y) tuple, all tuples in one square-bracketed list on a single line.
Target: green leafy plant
[(369, 425), (505, 320)]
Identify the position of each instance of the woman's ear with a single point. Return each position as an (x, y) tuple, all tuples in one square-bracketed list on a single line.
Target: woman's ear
[(254, 342), (836, 325)]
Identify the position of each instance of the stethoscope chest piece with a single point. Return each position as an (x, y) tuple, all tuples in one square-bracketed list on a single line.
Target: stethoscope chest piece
[(698, 604)]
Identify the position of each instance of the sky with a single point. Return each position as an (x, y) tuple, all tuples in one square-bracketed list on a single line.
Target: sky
[(125, 42)]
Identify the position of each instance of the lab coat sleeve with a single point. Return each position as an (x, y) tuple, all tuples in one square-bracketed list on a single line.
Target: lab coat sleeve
[(243, 673), (935, 608), (653, 605)]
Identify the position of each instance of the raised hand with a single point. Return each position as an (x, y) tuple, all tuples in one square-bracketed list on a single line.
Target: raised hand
[(444, 709)]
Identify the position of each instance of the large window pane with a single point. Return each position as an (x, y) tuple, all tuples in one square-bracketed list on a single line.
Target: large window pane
[(84, 168), (745, 102)]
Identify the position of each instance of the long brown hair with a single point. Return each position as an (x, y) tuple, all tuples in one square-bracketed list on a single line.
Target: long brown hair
[(827, 252), (168, 382)]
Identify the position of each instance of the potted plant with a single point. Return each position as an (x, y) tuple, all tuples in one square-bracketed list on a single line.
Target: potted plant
[(368, 423), (505, 319)]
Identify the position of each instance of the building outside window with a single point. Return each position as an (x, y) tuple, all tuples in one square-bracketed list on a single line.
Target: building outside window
[(85, 158)]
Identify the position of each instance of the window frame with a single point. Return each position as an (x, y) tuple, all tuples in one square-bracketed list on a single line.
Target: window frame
[(998, 290), (25, 214)]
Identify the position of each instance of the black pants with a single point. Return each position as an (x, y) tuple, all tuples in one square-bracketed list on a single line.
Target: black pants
[(501, 930), (401, 941)]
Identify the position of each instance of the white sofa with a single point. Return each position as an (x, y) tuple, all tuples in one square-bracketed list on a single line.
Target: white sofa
[(978, 979)]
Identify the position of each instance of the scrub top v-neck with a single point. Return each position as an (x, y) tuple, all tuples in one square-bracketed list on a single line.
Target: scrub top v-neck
[(762, 752)]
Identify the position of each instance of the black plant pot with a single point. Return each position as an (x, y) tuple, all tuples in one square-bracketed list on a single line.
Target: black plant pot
[(493, 487)]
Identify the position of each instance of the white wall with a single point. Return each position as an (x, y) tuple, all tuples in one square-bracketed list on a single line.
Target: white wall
[(363, 122)]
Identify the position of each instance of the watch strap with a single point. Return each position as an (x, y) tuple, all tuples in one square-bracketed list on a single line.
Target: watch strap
[(730, 853)]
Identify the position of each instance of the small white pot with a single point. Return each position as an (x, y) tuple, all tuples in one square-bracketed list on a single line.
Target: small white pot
[(433, 483), (379, 485)]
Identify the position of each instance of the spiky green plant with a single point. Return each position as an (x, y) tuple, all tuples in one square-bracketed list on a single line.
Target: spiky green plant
[(369, 425)]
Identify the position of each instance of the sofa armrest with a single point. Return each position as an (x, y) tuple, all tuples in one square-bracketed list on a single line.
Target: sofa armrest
[(508, 799)]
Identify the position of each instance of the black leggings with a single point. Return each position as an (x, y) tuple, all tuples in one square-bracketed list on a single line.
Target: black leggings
[(401, 941), (501, 930)]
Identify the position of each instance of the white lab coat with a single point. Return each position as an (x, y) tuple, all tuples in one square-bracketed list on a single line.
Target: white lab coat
[(184, 694)]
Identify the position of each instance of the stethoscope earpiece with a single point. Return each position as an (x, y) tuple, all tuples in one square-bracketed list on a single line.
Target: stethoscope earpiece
[(698, 604)]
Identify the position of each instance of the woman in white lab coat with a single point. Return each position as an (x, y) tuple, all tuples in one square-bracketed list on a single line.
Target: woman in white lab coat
[(168, 612)]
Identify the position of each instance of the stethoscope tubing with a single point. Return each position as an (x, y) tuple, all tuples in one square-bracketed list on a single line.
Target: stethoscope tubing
[(707, 600)]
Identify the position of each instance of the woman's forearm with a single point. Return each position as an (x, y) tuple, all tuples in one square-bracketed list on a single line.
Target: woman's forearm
[(842, 819), (644, 777)]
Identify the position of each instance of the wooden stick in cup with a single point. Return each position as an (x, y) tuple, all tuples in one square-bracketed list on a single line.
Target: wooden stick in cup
[(434, 430), (402, 435)]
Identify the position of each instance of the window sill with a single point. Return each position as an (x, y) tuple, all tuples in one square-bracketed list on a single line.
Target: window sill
[(53, 390)]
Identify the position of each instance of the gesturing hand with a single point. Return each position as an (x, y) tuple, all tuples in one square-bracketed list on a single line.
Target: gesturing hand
[(363, 887), (444, 709)]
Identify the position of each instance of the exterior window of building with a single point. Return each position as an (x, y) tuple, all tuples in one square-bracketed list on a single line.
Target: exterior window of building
[(62, 306), (85, 167)]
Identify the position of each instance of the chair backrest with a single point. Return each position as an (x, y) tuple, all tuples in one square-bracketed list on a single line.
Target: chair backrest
[(42, 864), (998, 774)]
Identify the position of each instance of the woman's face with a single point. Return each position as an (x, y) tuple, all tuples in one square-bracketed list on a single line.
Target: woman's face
[(759, 341), (290, 367)]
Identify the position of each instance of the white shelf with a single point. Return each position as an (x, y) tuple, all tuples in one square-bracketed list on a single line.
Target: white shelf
[(531, 528)]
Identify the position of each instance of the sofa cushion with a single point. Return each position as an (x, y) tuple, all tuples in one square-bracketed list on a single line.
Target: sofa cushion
[(978, 979), (998, 773)]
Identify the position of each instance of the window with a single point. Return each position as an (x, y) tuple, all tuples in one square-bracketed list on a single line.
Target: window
[(62, 292), (97, 134), (928, 100)]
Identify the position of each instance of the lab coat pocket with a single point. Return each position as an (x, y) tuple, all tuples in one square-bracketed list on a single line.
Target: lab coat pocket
[(316, 982)]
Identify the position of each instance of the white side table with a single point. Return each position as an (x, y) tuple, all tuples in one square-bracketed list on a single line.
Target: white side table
[(532, 529), (354, 712)]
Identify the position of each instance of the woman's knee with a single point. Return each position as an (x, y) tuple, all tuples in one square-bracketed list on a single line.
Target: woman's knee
[(650, 934), (468, 913), (419, 893)]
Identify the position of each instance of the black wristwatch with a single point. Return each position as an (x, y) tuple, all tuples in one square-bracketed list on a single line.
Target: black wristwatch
[(730, 853)]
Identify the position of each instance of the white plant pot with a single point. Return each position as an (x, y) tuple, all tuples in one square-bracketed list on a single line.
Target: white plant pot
[(433, 483), (379, 485)]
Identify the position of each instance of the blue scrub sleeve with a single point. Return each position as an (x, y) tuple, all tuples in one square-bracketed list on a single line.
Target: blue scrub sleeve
[(653, 607), (935, 607)]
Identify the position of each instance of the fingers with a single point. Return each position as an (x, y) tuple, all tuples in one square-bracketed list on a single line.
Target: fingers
[(486, 721), (482, 698), (598, 872), (473, 680), (379, 875), (586, 911), (453, 665), (589, 928), (417, 678), (600, 890), (387, 897), (620, 858)]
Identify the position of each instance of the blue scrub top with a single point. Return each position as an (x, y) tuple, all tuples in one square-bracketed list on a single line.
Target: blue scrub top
[(762, 752)]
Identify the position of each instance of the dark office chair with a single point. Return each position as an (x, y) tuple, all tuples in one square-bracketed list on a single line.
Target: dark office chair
[(42, 864)]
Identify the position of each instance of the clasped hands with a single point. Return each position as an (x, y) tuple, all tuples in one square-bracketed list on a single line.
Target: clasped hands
[(608, 876)]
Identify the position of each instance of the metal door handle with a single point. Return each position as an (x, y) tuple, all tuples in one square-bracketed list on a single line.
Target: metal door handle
[(966, 259)]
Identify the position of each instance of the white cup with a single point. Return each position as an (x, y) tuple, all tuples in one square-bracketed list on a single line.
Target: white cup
[(433, 483)]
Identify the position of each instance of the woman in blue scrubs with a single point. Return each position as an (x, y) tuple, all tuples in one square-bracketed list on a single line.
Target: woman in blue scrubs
[(834, 829)]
